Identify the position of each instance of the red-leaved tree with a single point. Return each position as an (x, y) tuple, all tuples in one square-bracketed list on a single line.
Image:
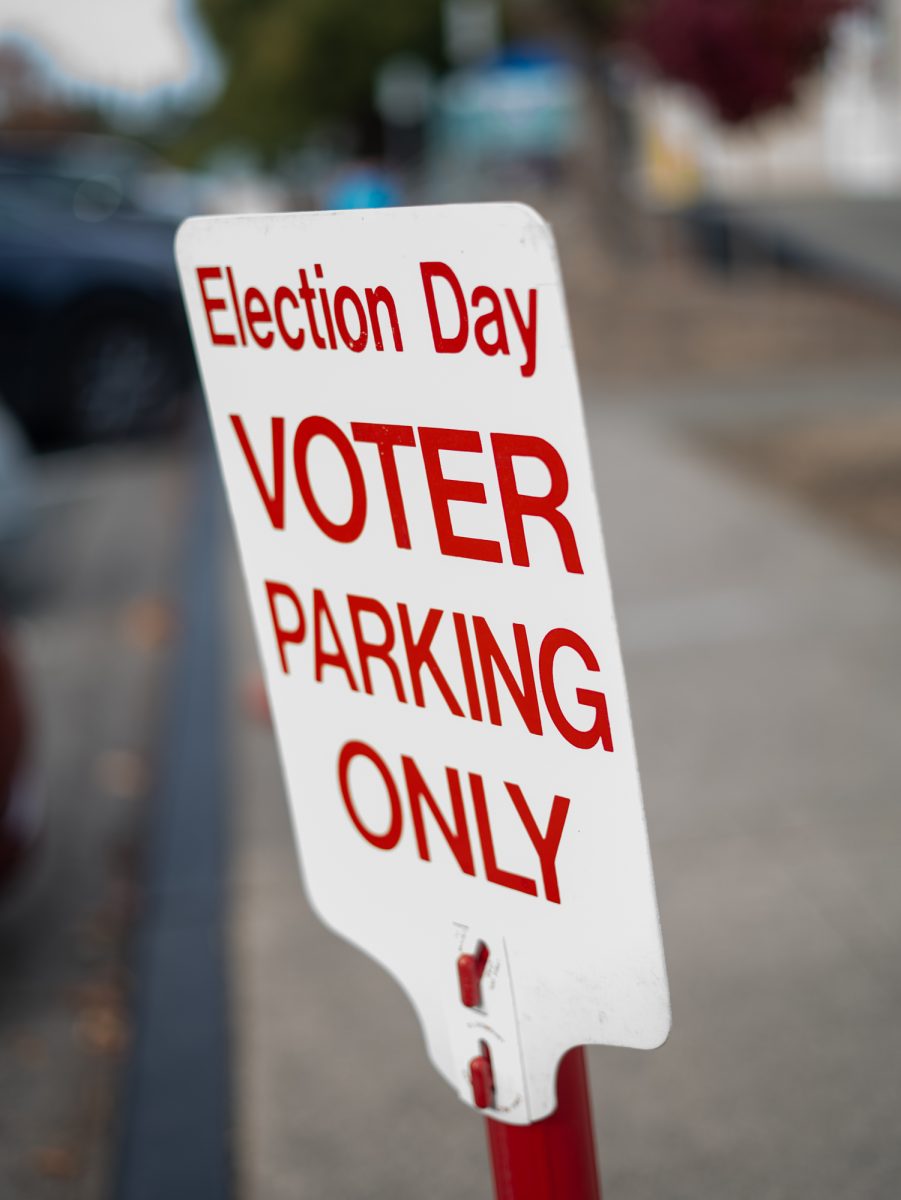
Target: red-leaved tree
[(744, 56)]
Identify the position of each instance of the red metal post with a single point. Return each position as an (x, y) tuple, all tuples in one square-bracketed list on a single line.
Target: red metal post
[(553, 1159)]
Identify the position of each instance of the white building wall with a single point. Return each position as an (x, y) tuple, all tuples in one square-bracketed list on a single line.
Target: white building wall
[(843, 135)]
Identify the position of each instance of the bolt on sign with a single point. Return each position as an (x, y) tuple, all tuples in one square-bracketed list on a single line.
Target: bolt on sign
[(397, 415)]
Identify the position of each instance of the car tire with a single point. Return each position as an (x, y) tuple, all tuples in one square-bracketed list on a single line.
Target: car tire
[(120, 373)]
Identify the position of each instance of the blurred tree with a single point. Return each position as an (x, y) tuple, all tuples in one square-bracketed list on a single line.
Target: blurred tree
[(294, 64), (599, 19), (745, 57)]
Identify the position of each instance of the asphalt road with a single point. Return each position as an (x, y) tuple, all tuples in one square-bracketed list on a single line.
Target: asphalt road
[(94, 630)]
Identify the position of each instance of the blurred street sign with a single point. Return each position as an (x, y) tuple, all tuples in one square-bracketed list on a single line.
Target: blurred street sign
[(472, 29), (397, 415), (404, 88)]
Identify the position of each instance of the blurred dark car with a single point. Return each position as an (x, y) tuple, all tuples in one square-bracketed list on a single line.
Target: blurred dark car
[(17, 502), (93, 338), (20, 822)]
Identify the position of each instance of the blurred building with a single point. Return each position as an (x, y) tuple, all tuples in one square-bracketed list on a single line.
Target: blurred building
[(520, 110)]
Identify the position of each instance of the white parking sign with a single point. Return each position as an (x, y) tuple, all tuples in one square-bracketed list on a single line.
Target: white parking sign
[(397, 415)]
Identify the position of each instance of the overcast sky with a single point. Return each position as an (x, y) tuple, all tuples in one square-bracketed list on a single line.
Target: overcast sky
[(141, 51)]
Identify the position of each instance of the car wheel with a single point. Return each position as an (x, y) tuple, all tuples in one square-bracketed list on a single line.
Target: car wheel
[(119, 375)]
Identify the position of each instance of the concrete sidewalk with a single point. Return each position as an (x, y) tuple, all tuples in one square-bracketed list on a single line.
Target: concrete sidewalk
[(763, 652)]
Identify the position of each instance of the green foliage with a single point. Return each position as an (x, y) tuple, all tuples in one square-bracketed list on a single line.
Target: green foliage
[(292, 65)]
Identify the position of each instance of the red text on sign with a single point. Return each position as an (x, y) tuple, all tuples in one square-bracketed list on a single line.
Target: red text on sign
[(445, 661), (406, 792), (519, 509)]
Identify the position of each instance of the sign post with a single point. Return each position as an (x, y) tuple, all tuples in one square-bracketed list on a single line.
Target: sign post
[(396, 410), (554, 1158)]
